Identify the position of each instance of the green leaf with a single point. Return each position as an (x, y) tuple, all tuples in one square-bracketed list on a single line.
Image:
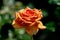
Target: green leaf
[(57, 12), (45, 13), (27, 37), (22, 35), (30, 5), (51, 26)]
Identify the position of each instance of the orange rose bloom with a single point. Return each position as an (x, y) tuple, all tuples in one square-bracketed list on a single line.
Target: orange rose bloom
[(29, 19)]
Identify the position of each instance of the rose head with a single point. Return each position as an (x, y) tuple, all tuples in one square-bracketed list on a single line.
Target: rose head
[(29, 19)]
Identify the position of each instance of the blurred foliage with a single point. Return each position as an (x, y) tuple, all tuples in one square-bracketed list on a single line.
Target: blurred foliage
[(51, 18), (57, 12), (45, 13), (50, 26), (30, 5), (54, 2)]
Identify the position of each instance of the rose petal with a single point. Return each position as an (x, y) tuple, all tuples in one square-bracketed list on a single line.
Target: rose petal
[(15, 25), (40, 25), (23, 19), (32, 30)]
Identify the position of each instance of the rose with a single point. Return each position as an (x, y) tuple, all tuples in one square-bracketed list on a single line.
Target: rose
[(29, 19)]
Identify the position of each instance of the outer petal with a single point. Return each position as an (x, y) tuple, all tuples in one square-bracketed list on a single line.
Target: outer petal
[(40, 25), (32, 29), (15, 25)]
